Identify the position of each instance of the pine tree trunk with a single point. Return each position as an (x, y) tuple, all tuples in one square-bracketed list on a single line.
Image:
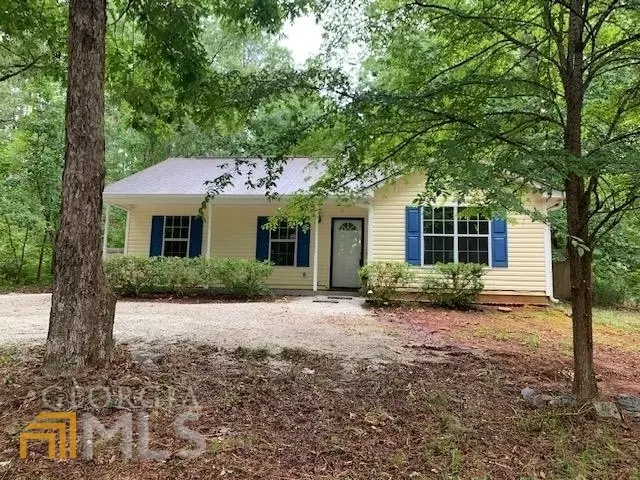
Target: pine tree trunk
[(82, 307)]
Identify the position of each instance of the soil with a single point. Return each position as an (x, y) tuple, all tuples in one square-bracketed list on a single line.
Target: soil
[(300, 415)]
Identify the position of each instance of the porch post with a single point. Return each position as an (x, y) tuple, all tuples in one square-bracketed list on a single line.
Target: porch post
[(209, 226), (315, 254), (105, 231), (370, 234)]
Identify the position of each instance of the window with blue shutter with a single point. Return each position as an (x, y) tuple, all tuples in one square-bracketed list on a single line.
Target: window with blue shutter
[(157, 235), (412, 235), (262, 240), (195, 237), (499, 243)]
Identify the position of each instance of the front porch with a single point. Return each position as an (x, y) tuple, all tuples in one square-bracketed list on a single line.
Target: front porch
[(338, 238)]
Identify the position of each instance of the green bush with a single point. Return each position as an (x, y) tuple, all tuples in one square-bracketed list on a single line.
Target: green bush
[(454, 285), (382, 281), (609, 292), (240, 277), (131, 275), (176, 274)]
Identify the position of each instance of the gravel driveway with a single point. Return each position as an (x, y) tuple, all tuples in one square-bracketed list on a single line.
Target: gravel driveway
[(344, 328)]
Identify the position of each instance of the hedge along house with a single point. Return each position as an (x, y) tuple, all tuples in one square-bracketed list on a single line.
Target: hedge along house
[(162, 204)]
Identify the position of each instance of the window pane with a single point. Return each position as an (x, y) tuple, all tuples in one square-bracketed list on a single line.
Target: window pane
[(176, 227), (483, 244), (462, 227), (448, 227), (283, 253), (428, 226), (438, 227), (484, 227), (175, 248), (473, 227), (438, 213), (438, 257), (438, 243), (483, 258)]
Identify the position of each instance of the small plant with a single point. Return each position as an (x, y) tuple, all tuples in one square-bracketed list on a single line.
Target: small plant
[(240, 277), (382, 281), (129, 275), (454, 285)]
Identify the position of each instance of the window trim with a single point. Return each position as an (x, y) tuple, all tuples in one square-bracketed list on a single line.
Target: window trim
[(280, 240), (188, 239), (455, 235)]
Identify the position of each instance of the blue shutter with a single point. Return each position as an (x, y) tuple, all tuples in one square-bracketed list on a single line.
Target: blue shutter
[(304, 241), (157, 234), (195, 237), (412, 236), (499, 243), (262, 240)]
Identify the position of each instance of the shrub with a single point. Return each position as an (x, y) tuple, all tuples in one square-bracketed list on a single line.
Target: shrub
[(381, 281), (176, 274), (129, 275), (240, 277), (454, 285), (609, 292)]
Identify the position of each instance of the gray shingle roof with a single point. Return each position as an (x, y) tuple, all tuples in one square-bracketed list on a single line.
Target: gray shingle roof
[(187, 176)]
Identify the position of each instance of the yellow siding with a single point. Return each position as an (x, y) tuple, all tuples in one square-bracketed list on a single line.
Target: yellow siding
[(234, 235), (525, 273)]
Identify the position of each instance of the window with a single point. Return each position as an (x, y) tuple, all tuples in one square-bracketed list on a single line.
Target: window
[(451, 235), (282, 245), (176, 236)]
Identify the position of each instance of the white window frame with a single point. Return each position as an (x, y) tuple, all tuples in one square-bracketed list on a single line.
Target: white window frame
[(455, 234), (287, 240), (164, 238)]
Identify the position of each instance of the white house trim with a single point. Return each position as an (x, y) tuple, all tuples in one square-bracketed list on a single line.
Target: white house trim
[(370, 234), (209, 223), (548, 263), (315, 252)]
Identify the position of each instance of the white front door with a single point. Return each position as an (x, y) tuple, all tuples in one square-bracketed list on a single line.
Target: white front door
[(346, 251)]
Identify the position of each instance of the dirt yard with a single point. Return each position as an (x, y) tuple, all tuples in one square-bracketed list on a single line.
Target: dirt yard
[(448, 407), (341, 328), (536, 342)]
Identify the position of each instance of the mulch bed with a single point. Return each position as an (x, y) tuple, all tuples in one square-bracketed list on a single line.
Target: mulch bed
[(299, 415)]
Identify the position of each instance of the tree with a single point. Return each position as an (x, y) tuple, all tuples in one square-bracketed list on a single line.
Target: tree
[(82, 305), (82, 312), (506, 98)]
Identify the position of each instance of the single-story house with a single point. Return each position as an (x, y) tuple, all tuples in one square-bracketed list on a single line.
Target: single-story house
[(163, 201)]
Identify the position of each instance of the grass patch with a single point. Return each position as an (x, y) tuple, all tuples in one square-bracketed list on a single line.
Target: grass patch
[(623, 320), (251, 353)]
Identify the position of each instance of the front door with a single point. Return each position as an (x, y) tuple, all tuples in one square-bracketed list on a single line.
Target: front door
[(346, 258)]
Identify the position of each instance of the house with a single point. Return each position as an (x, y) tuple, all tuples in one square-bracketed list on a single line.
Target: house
[(162, 204)]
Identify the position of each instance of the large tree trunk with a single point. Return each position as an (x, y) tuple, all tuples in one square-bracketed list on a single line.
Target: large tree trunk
[(580, 260), (82, 307), (578, 200)]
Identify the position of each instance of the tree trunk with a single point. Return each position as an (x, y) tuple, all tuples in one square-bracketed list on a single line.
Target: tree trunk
[(578, 200), (580, 260), (82, 307)]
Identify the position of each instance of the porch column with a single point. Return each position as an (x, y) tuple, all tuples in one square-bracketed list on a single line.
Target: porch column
[(209, 226), (370, 234), (105, 231), (315, 253)]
